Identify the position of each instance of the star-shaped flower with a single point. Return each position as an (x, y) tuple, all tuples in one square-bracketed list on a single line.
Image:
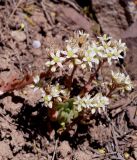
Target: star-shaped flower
[(56, 60)]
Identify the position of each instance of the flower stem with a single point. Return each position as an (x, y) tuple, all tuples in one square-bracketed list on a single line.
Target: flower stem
[(70, 79), (112, 88), (92, 76)]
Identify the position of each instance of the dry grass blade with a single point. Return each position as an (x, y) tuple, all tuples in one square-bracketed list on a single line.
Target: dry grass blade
[(18, 4), (47, 15), (72, 4), (55, 149)]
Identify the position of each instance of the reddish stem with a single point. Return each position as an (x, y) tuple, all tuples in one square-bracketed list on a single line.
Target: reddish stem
[(112, 88), (92, 76), (70, 79)]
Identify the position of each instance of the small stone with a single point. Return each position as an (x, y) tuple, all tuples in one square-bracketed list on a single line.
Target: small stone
[(18, 36), (36, 44)]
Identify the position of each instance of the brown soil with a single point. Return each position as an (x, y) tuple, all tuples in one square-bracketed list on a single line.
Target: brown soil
[(24, 129)]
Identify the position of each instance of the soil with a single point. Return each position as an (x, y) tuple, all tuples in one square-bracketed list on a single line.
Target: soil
[(24, 129)]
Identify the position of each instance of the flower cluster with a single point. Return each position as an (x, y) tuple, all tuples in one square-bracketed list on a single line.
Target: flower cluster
[(111, 49), (122, 80), (97, 102), (80, 51), (53, 94), (61, 94), (86, 54), (56, 61)]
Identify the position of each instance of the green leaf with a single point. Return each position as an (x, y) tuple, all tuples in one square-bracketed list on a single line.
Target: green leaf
[(66, 111)]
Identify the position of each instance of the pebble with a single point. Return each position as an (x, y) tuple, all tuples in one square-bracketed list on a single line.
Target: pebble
[(36, 44), (18, 36)]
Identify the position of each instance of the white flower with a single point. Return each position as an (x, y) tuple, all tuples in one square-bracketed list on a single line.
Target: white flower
[(117, 53), (48, 100), (106, 45), (79, 39), (88, 100), (56, 60), (104, 38), (82, 33), (112, 54), (71, 52), (121, 46), (84, 102), (129, 85), (111, 49), (97, 48), (100, 102), (79, 102), (118, 77), (122, 80), (36, 84), (90, 57), (55, 90)]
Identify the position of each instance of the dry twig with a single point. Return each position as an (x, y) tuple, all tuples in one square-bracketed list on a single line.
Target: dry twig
[(47, 15), (18, 4), (72, 4), (55, 149)]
